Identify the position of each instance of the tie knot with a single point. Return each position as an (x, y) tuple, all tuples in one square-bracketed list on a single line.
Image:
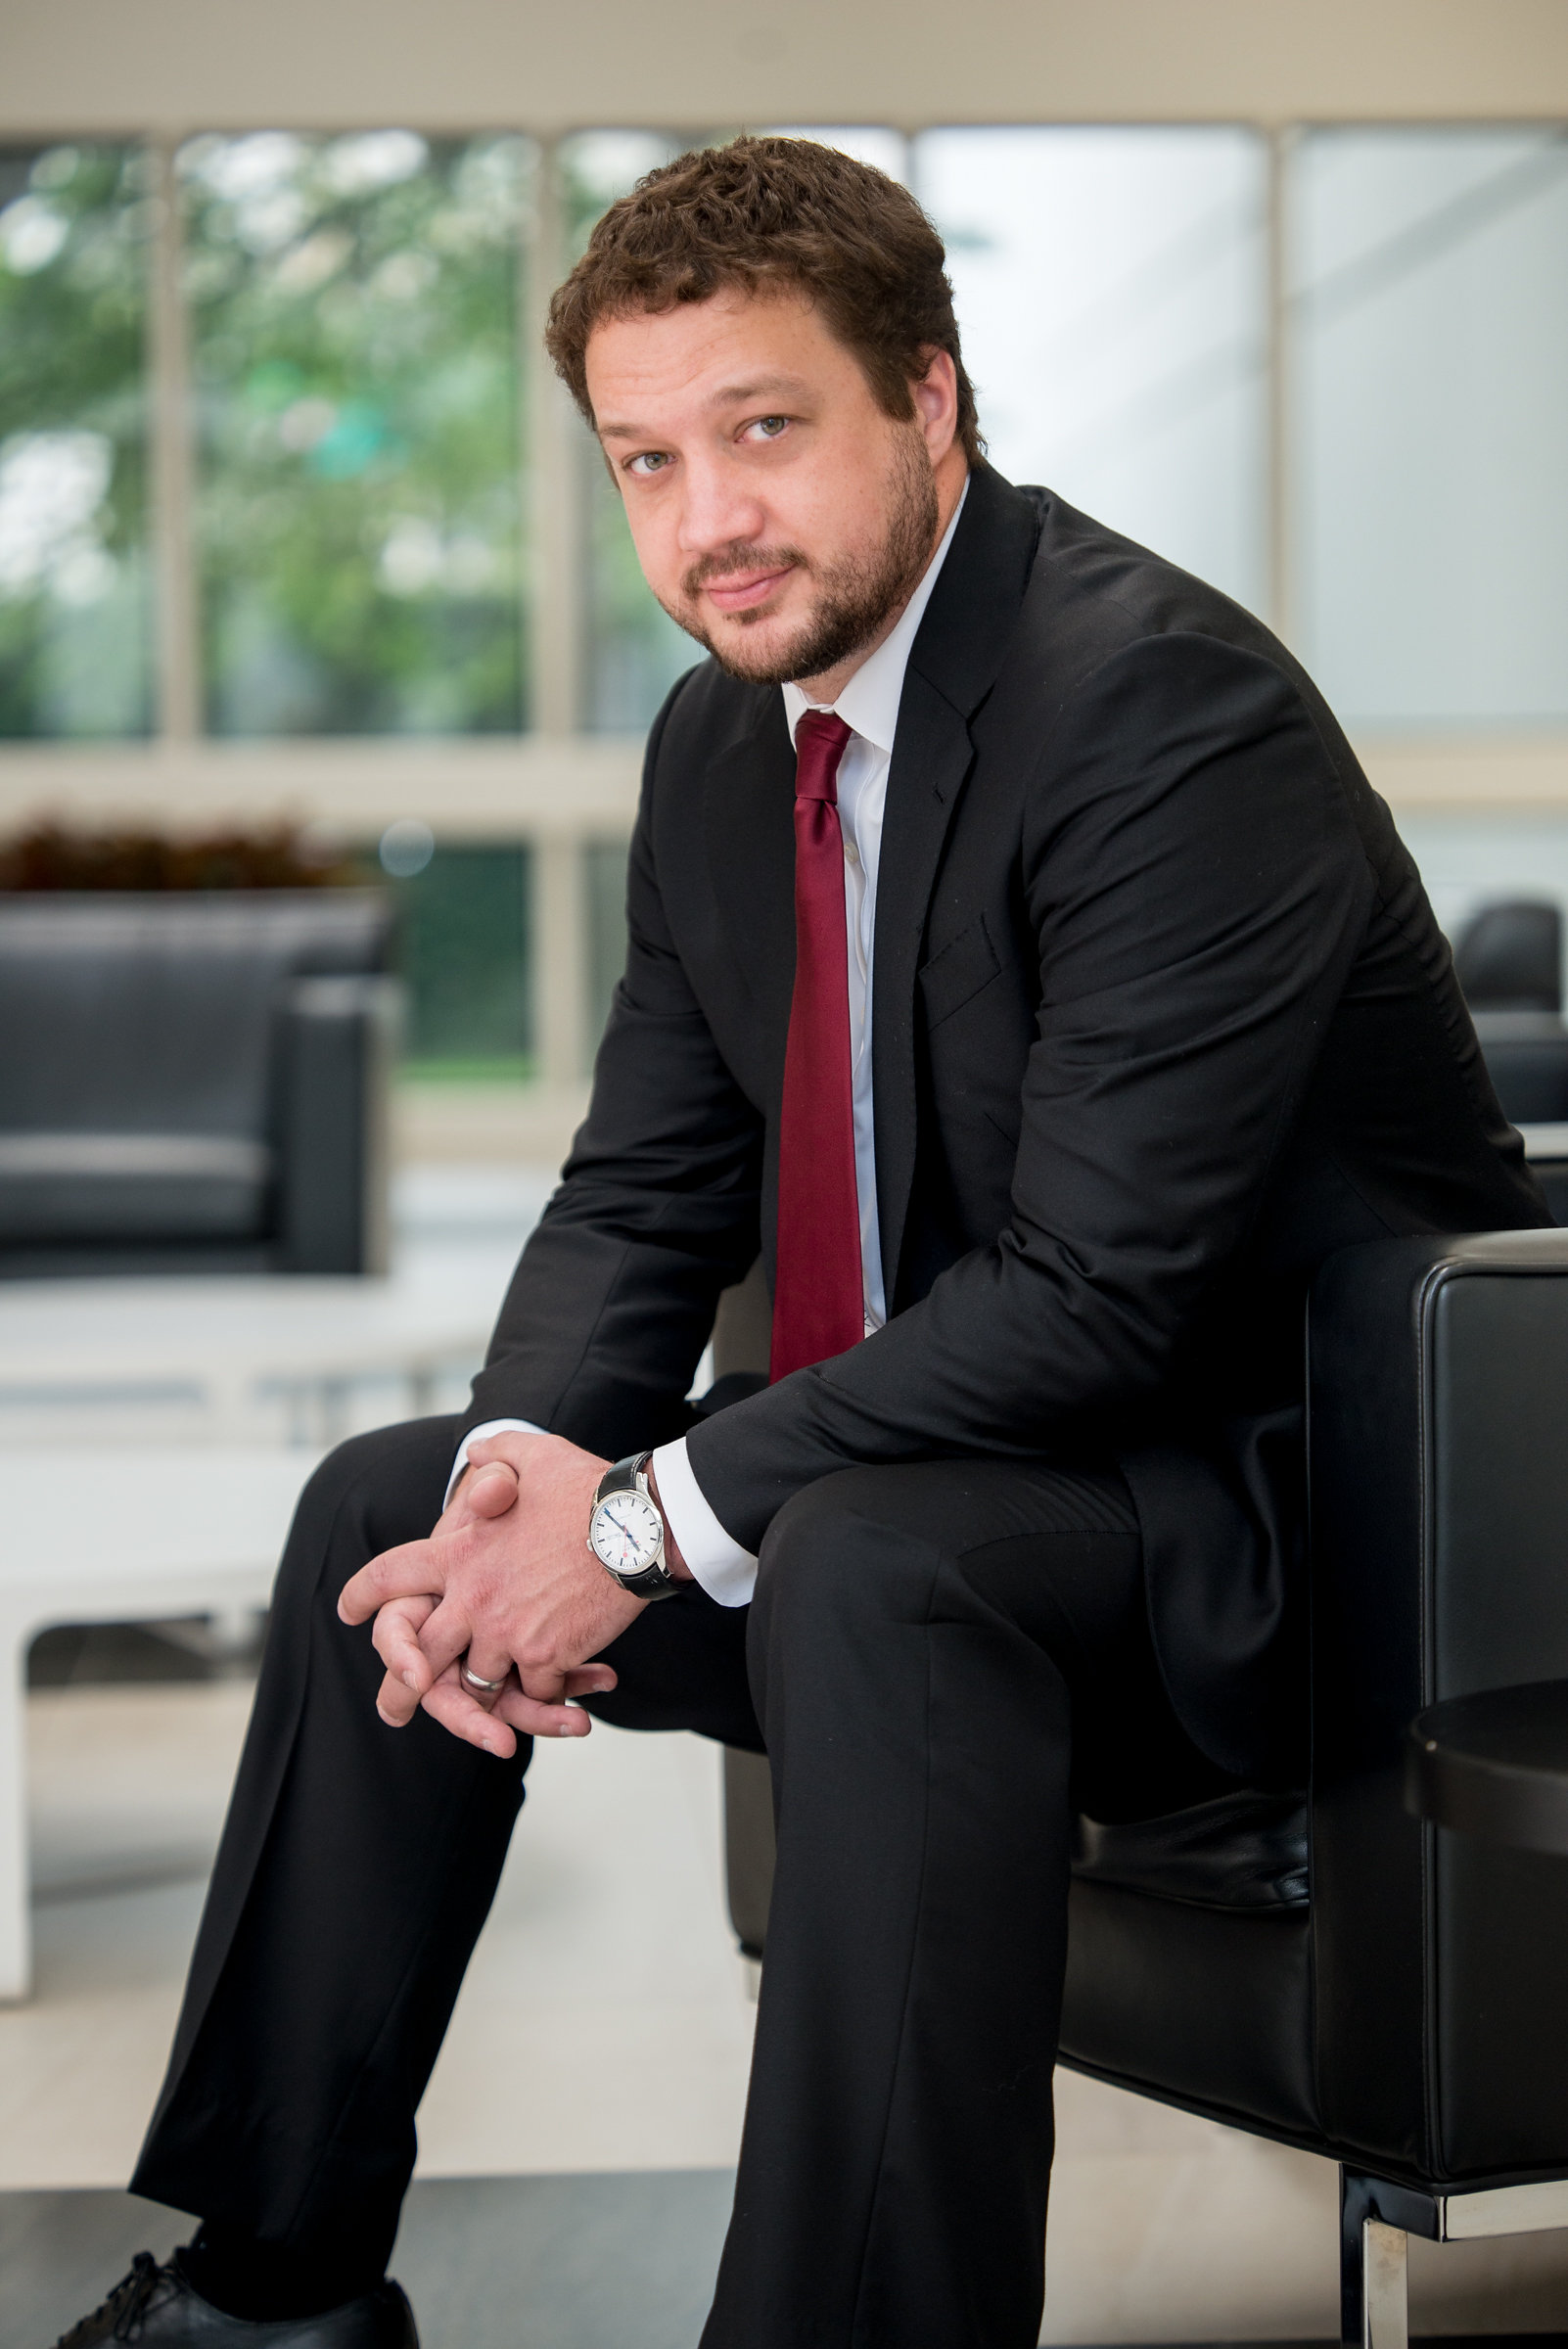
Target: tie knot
[(819, 740)]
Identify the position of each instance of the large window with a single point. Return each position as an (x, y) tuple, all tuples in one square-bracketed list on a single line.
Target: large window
[(1373, 444), (633, 652), (356, 362), (1431, 394), (75, 603), (1113, 302), (462, 952)]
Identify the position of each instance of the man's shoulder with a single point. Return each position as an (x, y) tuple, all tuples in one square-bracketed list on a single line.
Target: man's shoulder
[(1099, 606), (1105, 591), (708, 714)]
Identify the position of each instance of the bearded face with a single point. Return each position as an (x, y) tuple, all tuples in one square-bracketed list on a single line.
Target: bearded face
[(780, 515), (855, 595)]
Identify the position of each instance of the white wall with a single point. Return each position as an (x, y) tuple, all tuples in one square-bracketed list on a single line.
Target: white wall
[(106, 64)]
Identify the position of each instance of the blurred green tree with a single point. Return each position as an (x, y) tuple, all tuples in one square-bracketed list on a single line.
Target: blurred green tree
[(75, 603), (355, 338), (635, 652)]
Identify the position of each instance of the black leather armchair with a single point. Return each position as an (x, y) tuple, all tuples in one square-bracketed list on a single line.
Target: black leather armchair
[(194, 1082), (1330, 1973)]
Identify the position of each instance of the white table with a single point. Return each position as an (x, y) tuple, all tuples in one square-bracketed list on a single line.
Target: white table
[(240, 1359), (117, 1538)]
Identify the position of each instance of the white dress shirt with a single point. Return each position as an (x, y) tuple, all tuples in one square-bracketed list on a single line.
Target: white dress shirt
[(869, 708)]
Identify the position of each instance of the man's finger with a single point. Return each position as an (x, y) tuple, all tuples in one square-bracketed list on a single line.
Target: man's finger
[(534, 1719), (395, 1701), (592, 1680), (444, 1637), (547, 1683), (492, 1490), (490, 1448), (414, 1570), (465, 1717), (394, 1636)]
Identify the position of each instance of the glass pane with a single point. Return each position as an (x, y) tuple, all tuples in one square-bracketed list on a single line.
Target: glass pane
[(1470, 861), (1431, 392), (1112, 299), (354, 329), (74, 595), (869, 142), (634, 652), (463, 955), (607, 928)]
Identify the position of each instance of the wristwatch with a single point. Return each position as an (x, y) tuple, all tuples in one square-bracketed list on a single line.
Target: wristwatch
[(626, 1531)]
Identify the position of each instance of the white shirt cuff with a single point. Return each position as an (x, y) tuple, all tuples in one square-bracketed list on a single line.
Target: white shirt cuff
[(725, 1571), (492, 1427)]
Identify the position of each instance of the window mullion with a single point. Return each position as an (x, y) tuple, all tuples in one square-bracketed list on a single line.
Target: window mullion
[(173, 469), (555, 504), (1279, 363)]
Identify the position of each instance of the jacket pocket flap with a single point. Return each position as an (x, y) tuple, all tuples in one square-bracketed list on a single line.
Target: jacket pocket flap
[(957, 971)]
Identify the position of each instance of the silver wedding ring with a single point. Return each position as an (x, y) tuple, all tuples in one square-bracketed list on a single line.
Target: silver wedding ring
[(487, 1688)]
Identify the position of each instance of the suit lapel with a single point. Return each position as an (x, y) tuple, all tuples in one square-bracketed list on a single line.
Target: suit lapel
[(749, 824), (952, 666)]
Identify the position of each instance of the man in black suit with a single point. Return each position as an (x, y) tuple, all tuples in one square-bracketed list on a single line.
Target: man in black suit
[(1019, 960)]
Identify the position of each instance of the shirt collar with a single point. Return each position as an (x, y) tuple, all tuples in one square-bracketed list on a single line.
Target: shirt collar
[(870, 702)]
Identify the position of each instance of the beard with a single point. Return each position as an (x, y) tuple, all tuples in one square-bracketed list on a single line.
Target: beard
[(857, 596)]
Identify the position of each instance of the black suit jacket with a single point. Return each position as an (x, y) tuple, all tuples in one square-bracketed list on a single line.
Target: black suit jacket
[(1160, 1017)]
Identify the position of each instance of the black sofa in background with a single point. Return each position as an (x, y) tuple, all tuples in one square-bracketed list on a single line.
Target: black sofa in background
[(193, 1082), (1508, 960)]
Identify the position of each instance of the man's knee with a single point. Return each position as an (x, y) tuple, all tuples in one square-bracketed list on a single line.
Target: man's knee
[(848, 1544), (368, 1494)]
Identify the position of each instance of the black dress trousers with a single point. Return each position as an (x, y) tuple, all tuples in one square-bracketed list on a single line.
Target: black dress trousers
[(944, 1661)]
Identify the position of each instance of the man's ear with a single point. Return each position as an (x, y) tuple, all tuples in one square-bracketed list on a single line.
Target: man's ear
[(935, 402)]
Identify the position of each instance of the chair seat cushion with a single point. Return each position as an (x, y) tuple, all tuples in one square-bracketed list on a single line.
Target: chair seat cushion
[(1241, 1851), (133, 1186), (1209, 2008)]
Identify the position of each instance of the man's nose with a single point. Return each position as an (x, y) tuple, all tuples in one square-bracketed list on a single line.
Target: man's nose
[(718, 511)]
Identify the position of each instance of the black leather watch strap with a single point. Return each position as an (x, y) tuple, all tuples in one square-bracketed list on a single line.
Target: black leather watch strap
[(622, 1476)]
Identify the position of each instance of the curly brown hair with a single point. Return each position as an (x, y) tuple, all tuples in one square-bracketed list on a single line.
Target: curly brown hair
[(774, 213)]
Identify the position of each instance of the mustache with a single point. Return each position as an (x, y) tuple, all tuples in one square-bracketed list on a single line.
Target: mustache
[(739, 556)]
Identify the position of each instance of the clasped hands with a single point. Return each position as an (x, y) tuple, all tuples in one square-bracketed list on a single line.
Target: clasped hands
[(507, 1582)]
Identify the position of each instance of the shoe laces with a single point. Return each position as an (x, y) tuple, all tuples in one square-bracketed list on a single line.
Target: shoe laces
[(126, 2303)]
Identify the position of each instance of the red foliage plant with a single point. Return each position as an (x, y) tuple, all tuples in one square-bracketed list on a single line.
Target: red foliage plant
[(49, 855)]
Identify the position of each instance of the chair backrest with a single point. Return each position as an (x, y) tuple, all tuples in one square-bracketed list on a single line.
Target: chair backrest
[(128, 1014), (1439, 1489), (1508, 957), (1527, 1059), (141, 1085)]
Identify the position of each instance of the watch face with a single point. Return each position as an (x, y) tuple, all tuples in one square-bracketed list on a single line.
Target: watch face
[(625, 1532)]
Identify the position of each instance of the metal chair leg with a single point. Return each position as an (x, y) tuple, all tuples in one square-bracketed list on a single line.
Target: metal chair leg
[(1375, 2304), (1385, 2300)]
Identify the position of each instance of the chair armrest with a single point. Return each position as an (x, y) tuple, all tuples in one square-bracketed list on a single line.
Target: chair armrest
[(1438, 1387), (337, 1043), (1438, 1476)]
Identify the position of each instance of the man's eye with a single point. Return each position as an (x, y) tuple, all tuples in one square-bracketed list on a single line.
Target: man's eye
[(770, 426), (651, 460)]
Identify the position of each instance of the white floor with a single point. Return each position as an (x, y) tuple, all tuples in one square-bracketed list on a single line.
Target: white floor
[(605, 2026)]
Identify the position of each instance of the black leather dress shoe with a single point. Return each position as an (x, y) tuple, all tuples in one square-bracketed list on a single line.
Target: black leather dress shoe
[(161, 2307)]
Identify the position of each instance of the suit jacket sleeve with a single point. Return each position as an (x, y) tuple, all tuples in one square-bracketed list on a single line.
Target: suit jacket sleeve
[(1194, 889), (614, 1297)]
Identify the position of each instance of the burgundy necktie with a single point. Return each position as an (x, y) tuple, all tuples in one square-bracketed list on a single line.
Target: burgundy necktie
[(818, 1307)]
